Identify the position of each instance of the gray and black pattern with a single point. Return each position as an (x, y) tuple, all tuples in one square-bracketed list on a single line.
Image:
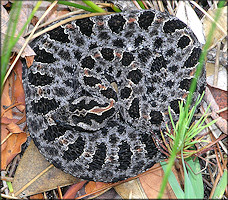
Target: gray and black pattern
[(99, 89)]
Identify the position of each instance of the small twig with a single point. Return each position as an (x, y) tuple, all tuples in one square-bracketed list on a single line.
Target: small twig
[(6, 190), (6, 178), (56, 19), (216, 154), (149, 4), (209, 114), (215, 82), (6, 138), (55, 194), (100, 193), (170, 9), (211, 18), (211, 175), (216, 43), (3, 188), (136, 4), (60, 192), (8, 196), (214, 185), (205, 181), (144, 3), (161, 6), (10, 107), (118, 183), (14, 165), (45, 195), (33, 180)]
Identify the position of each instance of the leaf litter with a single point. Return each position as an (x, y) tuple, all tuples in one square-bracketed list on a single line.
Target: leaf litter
[(13, 129)]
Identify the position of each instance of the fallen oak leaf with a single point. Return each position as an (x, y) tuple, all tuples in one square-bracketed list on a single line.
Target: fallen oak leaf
[(12, 148), (111, 185), (131, 190), (18, 94), (37, 196), (33, 180), (35, 175), (6, 101), (92, 186), (151, 183), (9, 108), (22, 119), (6, 120), (4, 134), (18, 90), (221, 123), (220, 97), (14, 128), (72, 191), (22, 18), (29, 60)]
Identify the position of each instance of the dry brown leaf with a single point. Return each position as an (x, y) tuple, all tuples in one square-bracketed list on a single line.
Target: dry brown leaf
[(218, 34), (4, 133), (29, 60), (18, 92), (18, 69), (131, 190), (72, 191), (13, 147), (12, 136), (14, 128), (220, 97), (151, 183), (4, 25), (92, 186), (26, 9), (56, 12), (31, 165), (5, 120), (220, 122), (6, 101), (37, 196)]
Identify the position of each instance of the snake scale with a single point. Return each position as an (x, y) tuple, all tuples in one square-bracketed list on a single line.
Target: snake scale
[(99, 88)]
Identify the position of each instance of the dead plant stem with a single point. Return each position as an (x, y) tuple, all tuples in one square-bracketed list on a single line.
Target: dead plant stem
[(215, 82)]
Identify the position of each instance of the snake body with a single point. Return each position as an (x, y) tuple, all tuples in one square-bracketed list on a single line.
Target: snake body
[(98, 91)]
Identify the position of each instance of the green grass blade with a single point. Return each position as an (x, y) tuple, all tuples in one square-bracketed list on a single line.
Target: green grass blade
[(13, 41), (171, 119), (75, 5), (198, 130), (141, 4), (173, 182), (94, 6), (6, 50), (116, 9), (196, 179), (182, 119), (9, 184), (192, 111), (203, 55), (26, 23), (189, 192), (220, 189)]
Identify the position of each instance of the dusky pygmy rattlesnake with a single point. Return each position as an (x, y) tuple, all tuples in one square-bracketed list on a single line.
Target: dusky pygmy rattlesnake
[(100, 87)]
